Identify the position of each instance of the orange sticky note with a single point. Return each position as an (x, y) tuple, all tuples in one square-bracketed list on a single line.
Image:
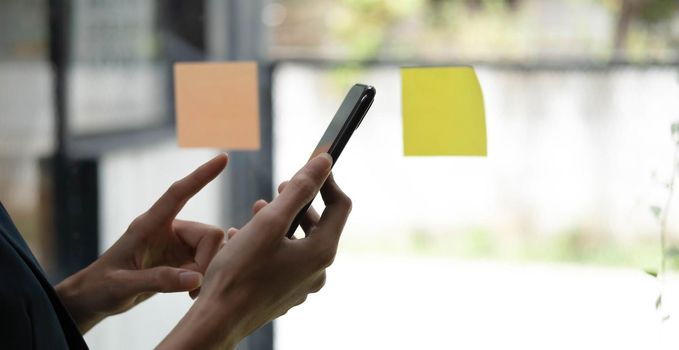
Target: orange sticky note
[(217, 105)]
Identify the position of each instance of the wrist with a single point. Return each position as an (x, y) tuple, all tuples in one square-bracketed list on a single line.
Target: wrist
[(73, 294), (211, 323)]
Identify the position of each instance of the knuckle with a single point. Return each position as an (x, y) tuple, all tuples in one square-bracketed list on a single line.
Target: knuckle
[(347, 203), (218, 233), (282, 185), (304, 185), (300, 301), (326, 257), (138, 221), (319, 283), (174, 191)]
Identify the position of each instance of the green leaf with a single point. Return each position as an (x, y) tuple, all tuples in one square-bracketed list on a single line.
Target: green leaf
[(675, 132), (675, 128), (672, 253), (656, 211), (652, 273)]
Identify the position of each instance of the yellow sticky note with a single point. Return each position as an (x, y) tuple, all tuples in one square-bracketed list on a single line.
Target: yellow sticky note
[(217, 105), (443, 112)]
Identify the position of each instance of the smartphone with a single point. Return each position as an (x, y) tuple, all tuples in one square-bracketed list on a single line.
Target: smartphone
[(348, 117)]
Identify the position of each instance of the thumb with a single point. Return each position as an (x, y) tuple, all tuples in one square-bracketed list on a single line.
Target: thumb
[(164, 279)]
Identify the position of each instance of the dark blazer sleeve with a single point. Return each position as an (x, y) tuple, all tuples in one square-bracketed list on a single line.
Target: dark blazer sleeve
[(31, 314), (15, 323), (27, 317)]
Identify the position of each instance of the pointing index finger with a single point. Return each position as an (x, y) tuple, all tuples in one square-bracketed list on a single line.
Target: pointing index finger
[(174, 199)]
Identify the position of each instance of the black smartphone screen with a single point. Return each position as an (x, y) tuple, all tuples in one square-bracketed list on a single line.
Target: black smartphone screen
[(346, 120)]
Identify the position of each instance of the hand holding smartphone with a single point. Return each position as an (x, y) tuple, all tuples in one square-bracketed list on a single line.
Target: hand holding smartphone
[(348, 117)]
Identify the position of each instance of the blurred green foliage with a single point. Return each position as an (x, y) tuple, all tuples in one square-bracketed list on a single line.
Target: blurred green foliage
[(492, 29), (654, 11), (577, 246)]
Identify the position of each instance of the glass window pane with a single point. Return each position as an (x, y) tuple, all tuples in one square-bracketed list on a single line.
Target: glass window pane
[(117, 78), (26, 121), (440, 251)]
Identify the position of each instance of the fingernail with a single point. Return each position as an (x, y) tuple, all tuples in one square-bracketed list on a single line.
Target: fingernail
[(231, 232), (221, 155), (190, 279)]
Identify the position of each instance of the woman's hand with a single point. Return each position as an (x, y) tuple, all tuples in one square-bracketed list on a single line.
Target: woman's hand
[(260, 274), (157, 253)]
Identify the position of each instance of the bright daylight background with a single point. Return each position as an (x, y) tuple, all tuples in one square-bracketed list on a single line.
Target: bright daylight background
[(543, 240), (544, 243), (550, 242)]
